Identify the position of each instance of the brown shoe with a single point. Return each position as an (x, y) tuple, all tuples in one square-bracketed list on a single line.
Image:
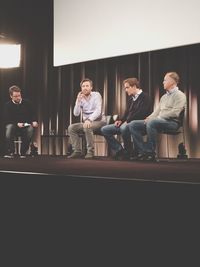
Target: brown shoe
[(75, 155), (89, 156)]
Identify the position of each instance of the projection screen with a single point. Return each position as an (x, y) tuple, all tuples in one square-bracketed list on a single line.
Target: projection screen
[(89, 30)]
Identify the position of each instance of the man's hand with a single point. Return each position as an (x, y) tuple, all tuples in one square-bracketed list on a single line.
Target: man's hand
[(80, 96), (146, 120), (118, 123), (87, 124), (20, 124), (35, 124)]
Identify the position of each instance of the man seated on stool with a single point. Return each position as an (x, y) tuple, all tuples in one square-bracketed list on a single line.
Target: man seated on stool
[(90, 104), (165, 117), (139, 106), (19, 120)]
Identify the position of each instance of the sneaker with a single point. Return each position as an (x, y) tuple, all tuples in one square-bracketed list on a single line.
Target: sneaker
[(9, 156), (75, 155), (89, 156), (149, 157), (22, 156)]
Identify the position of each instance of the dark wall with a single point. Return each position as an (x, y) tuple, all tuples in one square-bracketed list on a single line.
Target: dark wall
[(54, 89)]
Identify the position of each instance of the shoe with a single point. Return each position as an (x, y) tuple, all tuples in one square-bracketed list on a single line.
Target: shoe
[(139, 157), (22, 156), (121, 155), (89, 156), (75, 155), (9, 156), (149, 157)]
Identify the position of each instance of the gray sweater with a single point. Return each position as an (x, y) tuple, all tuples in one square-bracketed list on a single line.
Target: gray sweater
[(170, 106)]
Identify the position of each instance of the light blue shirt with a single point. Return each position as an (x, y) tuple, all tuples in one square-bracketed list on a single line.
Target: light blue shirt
[(91, 107)]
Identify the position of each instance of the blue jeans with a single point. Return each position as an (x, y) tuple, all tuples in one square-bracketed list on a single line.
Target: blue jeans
[(26, 134), (139, 128), (110, 130)]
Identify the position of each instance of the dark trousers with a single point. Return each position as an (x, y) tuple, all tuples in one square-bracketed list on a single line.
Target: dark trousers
[(26, 134)]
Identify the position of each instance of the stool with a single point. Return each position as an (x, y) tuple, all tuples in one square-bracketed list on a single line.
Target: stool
[(17, 143)]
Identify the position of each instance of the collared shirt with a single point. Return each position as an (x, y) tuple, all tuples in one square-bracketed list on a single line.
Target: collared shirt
[(136, 96), (173, 90), (17, 103), (91, 107)]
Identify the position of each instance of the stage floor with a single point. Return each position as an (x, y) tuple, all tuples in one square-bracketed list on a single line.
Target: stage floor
[(173, 170)]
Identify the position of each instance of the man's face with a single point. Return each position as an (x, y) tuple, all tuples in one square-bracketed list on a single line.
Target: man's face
[(16, 97), (168, 82), (130, 90), (86, 88)]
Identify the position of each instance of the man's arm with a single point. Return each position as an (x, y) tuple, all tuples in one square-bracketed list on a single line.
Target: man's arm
[(77, 107)]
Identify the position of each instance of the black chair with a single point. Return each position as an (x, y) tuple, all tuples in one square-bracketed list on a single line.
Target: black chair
[(180, 130), (101, 146)]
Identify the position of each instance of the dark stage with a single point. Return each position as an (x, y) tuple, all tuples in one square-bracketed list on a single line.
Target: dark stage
[(101, 208), (166, 171)]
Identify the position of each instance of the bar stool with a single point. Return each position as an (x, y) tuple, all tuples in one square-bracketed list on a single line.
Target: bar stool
[(17, 144)]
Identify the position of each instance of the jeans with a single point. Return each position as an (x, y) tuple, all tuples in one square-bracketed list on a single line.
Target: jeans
[(26, 133), (109, 131), (139, 128), (76, 128)]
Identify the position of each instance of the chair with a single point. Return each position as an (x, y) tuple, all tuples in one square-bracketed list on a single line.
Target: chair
[(98, 137), (17, 144), (180, 130)]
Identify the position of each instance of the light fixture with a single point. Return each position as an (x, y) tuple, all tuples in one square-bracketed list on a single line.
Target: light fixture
[(10, 53)]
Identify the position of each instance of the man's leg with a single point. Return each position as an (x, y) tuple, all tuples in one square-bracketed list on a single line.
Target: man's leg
[(137, 129), (89, 136), (108, 132), (153, 128), (74, 130), (26, 135), (126, 136), (10, 134)]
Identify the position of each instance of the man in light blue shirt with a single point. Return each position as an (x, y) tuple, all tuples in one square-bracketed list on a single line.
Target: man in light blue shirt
[(88, 105)]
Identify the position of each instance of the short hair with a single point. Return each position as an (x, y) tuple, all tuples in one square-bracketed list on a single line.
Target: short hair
[(13, 89), (86, 80), (132, 82), (174, 76)]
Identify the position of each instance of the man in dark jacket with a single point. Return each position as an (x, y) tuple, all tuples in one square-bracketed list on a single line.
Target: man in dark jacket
[(19, 120), (139, 107)]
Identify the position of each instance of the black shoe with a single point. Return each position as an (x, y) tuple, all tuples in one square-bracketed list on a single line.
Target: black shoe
[(139, 157), (149, 157), (121, 155)]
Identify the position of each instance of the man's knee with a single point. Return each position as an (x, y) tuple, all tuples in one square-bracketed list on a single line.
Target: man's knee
[(70, 128), (104, 129), (134, 125), (10, 130), (152, 124)]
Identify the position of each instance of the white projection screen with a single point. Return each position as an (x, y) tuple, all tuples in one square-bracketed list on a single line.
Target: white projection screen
[(89, 30)]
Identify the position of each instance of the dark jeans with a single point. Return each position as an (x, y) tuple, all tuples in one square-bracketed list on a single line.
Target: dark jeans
[(109, 132), (139, 128), (26, 134)]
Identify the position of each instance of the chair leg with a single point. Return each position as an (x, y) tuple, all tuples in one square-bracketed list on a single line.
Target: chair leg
[(167, 147)]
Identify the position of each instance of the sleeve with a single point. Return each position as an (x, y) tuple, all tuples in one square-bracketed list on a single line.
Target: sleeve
[(155, 113), (77, 109), (125, 115), (179, 105)]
